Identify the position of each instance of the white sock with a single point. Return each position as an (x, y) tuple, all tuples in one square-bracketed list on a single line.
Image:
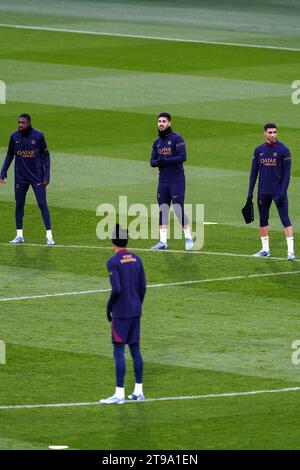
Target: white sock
[(20, 232), (265, 243), (138, 389), (48, 233), (290, 244), (163, 234), (120, 392), (187, 232)]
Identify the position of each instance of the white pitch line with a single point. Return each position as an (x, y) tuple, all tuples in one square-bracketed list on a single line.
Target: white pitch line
[(227, 278), (195, 252), (168, 284), (151, 400), (155, 38), (59, 294)]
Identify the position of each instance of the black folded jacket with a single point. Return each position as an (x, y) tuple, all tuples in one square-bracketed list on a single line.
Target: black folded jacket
[(248, 212)]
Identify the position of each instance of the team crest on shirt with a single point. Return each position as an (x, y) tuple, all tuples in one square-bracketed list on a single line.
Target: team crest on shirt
[(33, 142), (169, 143), (275, 154)]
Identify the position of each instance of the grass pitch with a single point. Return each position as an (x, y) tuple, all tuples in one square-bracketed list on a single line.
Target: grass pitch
[(96, 99)]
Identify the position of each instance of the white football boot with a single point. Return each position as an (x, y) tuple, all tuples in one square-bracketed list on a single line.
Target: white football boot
[(262, 254), (114, 400), (50, 241), (17, 240)]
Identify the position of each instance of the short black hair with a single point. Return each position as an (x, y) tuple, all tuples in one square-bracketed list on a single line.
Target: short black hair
[(270, 125), (166, 115), (25, 116), (120, 236)]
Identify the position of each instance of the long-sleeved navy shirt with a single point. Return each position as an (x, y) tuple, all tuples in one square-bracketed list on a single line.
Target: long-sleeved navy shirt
[(171, 150), (32, 159), (128, 284), (273, 164)]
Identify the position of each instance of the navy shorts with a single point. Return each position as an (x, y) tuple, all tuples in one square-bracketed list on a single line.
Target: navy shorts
[(264, 202), (171, 192), (126, 330)]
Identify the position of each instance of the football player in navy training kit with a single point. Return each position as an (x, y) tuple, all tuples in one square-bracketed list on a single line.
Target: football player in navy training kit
[(272, 162), (168, 154), (124, 310), (32, 168)]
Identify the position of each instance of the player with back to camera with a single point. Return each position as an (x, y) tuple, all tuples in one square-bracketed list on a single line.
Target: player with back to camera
[(124, 310)]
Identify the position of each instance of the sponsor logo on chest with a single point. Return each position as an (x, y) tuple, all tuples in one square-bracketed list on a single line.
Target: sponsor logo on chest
[(164, 150), (25, 153), (269, 161)]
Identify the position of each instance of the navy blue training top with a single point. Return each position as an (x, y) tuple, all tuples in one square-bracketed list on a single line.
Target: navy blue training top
[(171, 150), (272, 162), (128, 283), (32, 159)]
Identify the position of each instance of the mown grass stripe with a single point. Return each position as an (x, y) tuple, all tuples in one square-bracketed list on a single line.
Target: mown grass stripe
[(167, 284)]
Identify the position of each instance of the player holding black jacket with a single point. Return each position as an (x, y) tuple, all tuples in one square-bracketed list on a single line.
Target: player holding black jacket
[(272, 162)]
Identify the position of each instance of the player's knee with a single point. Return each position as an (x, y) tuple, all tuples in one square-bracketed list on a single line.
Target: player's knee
[(286, 222), (42, 205), (164, 210), (20, 204), (263, 218), (134, 350), (119, 351), (263, 221), (179, 212)]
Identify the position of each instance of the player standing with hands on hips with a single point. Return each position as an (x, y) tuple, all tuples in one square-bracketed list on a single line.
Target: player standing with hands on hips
[(168, 154), (272, 162), (32, 168), (124, 310)]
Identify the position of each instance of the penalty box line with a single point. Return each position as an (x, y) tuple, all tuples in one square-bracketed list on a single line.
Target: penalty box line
[(167, 284), (152, 400)]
